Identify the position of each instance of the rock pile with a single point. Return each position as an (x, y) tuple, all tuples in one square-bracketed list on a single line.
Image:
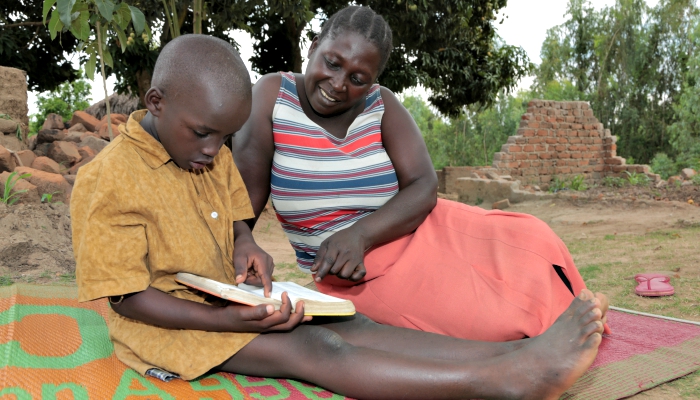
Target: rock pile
[(55, 155)]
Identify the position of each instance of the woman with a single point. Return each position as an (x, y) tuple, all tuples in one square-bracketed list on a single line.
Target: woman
[(354, 188)]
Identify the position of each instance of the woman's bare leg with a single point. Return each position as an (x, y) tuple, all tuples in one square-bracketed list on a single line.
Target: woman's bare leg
[(543, 368)]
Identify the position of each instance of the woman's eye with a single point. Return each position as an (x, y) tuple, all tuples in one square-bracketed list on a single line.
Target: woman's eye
[(331, 64)]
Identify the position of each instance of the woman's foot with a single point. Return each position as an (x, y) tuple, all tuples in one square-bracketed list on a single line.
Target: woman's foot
[(550, 363)]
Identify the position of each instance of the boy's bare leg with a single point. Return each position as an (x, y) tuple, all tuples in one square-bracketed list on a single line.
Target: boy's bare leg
[(361, 331), (544, 368)]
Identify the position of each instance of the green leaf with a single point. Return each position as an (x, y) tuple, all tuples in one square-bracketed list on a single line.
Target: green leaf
[(106, 7), (90, 67), (121, 35), (107, 58), (80, 28), (123, 15), (65, 7), (55, 24), (47, 7), (138, 19)]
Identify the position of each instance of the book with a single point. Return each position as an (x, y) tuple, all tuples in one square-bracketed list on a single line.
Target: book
[(315, 303)]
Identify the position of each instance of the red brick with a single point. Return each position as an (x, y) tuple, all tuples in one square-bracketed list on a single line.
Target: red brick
[(65, 153), (534, 140), (47, 182), (84, 118), (514, 149), (575, 140), (542, 132), (528, 148), (53, 121), (551, 140), (26, 156), (545, 156), (532, 156), (46, 164), (534, 125), (520, 156), (576, 154), (540, 147), (598, 168), (563, 170), (564, 155), (598, 140)]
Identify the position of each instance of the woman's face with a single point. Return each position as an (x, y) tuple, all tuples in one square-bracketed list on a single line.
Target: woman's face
[(340, 72)]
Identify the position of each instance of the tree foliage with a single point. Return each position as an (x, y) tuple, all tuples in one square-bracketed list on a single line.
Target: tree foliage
[(629, 61), (472, 137), (25, 43), (448, 46)]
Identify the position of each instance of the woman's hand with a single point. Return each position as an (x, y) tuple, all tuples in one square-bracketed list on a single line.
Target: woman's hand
[(264, 318), (342, 254)]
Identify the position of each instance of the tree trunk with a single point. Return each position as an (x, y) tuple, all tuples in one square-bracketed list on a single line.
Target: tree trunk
[(143, 81), (293, 32)]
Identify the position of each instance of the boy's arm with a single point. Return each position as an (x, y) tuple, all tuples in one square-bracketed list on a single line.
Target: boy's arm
[(154, 307)]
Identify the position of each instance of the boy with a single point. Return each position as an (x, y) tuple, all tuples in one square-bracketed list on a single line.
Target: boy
[(165, 197)]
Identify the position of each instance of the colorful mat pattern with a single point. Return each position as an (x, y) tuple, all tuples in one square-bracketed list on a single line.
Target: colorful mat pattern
[(52, 347)]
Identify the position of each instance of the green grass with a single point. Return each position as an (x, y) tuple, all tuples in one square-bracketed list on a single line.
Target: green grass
[(67, 278), (609, 237), (5, 280)]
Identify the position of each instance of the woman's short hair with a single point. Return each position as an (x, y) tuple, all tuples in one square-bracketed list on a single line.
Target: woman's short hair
[(364, 21)]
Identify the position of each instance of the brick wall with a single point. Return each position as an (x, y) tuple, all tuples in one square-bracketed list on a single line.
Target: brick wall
[(561, 139)]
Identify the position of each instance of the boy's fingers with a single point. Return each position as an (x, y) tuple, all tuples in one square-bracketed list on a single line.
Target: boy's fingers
[(241, 268), (257, 313)]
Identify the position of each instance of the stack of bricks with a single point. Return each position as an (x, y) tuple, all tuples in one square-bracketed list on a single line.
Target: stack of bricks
[(561, 139)]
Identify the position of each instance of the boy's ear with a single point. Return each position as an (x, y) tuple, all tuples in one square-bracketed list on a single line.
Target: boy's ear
[(154, 101), (314, 44)]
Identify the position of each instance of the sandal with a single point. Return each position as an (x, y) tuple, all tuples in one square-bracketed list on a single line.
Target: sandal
[(653, 285)]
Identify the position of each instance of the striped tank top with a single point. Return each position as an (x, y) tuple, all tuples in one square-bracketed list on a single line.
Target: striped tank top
[(321, 184)]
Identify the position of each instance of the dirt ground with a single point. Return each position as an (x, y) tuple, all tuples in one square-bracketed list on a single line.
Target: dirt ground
[(611, 237)]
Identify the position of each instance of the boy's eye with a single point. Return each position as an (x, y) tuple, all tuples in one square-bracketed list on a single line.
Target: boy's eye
[(200, 134), (356, 81)]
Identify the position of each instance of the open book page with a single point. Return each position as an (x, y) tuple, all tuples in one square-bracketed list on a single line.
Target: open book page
[(315, 303), (295, 292)]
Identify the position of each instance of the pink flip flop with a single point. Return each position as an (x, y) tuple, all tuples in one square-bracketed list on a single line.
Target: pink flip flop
[(653, 285)]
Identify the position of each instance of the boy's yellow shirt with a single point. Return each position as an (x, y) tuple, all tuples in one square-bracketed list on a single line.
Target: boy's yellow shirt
[(138, 219)]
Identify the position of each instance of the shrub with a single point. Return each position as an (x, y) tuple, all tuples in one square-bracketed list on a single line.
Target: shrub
[(663, 165), (64, 101), (636, 179)]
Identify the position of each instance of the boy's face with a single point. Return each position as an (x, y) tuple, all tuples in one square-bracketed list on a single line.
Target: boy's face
[(193, 126)]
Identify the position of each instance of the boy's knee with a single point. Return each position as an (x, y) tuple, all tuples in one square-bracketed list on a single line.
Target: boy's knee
[(322, 341)]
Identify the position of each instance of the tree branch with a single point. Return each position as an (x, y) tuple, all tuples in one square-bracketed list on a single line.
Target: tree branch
[(26, 23)]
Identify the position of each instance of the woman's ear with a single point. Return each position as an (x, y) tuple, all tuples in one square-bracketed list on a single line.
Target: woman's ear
[(154, 101), (314, 44)]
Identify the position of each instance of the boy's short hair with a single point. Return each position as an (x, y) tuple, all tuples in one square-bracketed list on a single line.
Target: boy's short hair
[(193, 59)]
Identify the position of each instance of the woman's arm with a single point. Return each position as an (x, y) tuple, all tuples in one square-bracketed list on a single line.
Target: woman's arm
[(343, 253), (253, 146)]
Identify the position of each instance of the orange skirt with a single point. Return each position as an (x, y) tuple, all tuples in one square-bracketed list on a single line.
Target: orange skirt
[(466, 272)]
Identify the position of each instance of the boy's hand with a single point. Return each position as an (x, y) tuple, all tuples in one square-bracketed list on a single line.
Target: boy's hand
[(264, 318), (252, 264), (341, 254)]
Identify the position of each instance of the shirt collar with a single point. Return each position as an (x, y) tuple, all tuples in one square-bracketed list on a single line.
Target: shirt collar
[(150, 150)]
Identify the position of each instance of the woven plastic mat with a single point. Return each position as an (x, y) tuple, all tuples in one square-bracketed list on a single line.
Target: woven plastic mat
[(52, 347), (642, 352)]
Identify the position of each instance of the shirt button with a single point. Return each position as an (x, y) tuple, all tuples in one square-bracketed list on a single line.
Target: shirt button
[(215, 215)]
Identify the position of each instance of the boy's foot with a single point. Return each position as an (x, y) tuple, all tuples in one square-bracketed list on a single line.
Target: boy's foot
[(550, 363)]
